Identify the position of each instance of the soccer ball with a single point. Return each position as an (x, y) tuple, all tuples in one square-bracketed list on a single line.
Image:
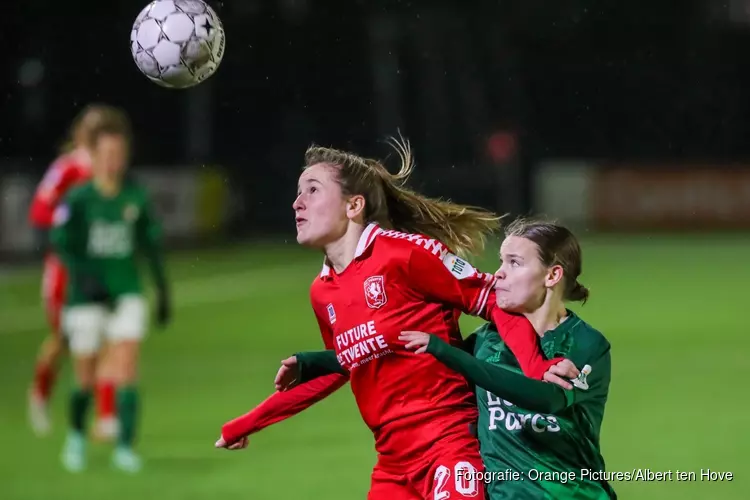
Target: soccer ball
[(177, 43)]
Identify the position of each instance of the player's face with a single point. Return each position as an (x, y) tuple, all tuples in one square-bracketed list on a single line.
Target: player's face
[(110, 156), (320, 208), (522, 278)]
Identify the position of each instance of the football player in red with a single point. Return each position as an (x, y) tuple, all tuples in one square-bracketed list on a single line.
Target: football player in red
[(389, 266), (71, 168)]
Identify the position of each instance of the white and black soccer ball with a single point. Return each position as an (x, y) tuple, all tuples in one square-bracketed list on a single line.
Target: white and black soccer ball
[(177, 43)]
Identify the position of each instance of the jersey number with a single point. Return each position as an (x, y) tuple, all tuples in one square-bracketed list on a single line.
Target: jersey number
[(464, 477)]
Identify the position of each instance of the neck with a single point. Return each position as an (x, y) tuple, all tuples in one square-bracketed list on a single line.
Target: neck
[(341, 252), (106, 186), (549, 316)]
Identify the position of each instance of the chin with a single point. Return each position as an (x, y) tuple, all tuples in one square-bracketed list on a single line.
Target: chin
[(508, 306), (301, 239), (307, 241)]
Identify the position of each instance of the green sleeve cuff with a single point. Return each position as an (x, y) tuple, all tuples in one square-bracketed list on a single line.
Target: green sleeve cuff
[(525, 392), (314, 364)]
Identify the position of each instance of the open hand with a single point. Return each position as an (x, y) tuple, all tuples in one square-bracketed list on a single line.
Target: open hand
[(562, 372), (416, 341), (288, 375)]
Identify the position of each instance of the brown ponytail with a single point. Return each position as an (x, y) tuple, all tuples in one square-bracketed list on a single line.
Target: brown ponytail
[(578, 293), (391, 204)]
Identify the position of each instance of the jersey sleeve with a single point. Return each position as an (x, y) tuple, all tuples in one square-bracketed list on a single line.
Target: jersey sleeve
[(149, 234), (531, 394), (68, 233), (445, 277), (596, 374), (314, 364), (50, 192), (283, 405)]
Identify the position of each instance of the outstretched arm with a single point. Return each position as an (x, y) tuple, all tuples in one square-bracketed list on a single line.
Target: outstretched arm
[(525, 392), (281, 406), (284, 404), (509, 385)]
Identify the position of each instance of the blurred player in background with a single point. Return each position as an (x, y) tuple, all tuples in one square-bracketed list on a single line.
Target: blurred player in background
[(374, 283), (525, 424), (98, 229), (72, 168)]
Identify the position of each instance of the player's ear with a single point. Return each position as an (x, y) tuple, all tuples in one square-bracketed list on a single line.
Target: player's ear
[(554, 276), (355, 207)]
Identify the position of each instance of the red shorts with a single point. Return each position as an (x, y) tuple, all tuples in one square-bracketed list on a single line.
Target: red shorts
[(446, 474), (54, 285)]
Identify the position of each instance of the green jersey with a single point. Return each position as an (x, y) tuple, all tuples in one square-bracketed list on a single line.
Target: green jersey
[(555, 455), (101, 236)]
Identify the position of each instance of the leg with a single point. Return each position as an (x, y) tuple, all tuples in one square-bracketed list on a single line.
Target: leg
[(84, 325), (106, 427), (52, 348), (126, 331), (45, 373)]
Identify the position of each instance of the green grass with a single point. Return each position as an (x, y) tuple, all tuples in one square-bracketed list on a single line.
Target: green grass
[(671, 307)]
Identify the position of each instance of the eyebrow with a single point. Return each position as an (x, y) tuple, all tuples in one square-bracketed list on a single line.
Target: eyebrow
[(309, 181), (511, 256)]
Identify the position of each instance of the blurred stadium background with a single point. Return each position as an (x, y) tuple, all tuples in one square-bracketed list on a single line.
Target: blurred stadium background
[(627, 120)]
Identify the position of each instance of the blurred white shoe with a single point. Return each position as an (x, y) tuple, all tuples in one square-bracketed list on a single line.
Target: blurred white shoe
[(39, 414), (106, 429), (74, 452), (126, 460)]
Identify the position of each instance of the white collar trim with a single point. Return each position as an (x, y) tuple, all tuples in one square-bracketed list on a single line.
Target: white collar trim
[(368, 236)]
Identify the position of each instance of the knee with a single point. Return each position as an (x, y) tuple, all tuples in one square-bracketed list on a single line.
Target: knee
[(126, 365), (85, 367)]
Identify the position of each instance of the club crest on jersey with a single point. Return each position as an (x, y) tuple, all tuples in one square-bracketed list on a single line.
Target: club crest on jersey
[(130, 214), (580, 382), (375, 292), (331, 313)]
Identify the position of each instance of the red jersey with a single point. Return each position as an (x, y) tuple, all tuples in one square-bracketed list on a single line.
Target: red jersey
[(399, 282), (67, 171)]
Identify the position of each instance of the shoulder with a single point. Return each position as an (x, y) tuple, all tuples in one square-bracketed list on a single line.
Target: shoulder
[(133, 186), (73, 199), (411, 243), (56, 173), (421, 249), (590, 343), (485, 331), (80, 192), (136, 192)]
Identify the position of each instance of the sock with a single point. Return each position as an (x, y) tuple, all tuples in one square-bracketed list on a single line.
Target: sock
[(105, 399), (44, 380), (127, 409), (79, 405)]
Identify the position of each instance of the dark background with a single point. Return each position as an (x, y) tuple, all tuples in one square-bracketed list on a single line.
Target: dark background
[(636, 81)]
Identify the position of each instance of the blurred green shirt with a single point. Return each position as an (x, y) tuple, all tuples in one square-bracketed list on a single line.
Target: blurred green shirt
[(102, 236)]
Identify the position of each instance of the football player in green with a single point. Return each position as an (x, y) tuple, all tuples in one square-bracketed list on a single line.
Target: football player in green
[(537, 440), (99, 230)]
